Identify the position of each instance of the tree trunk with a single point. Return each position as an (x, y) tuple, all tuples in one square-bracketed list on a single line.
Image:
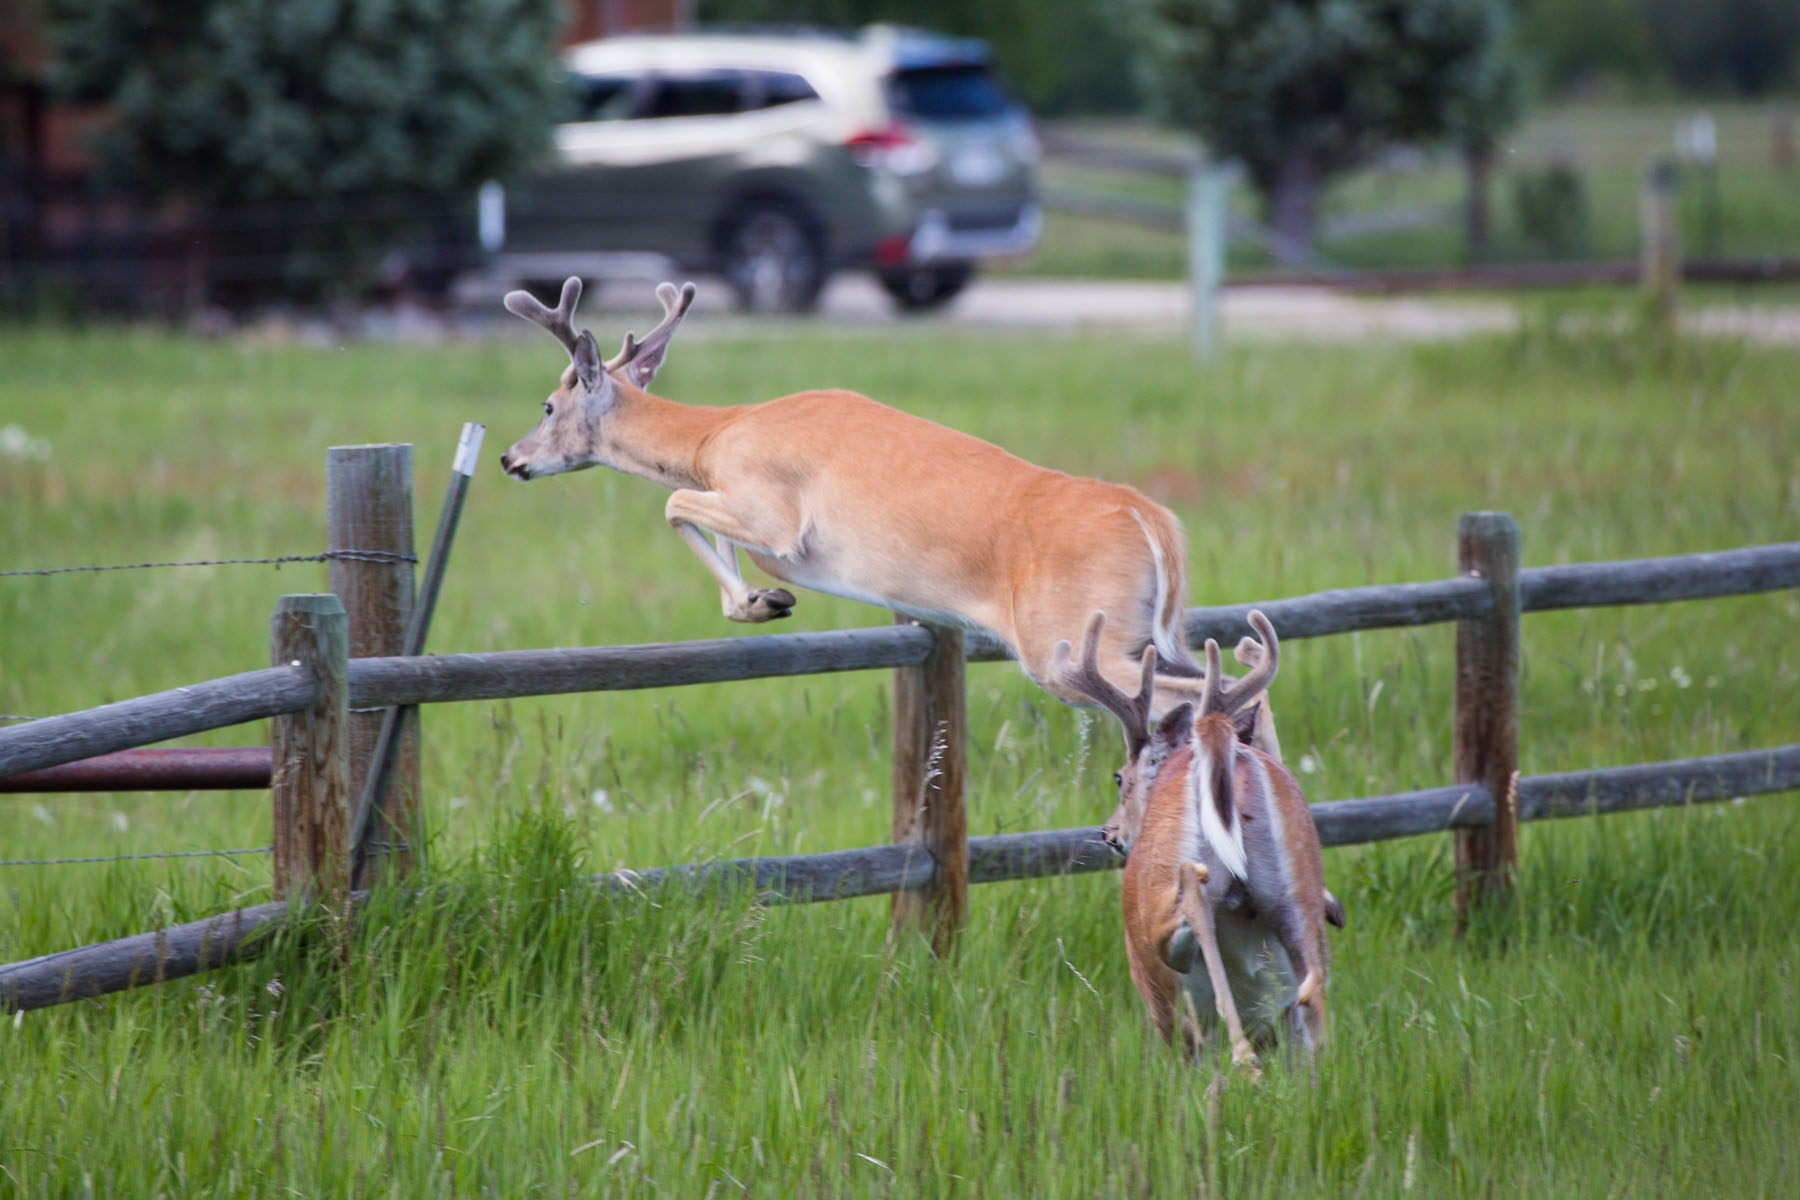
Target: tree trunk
[(1478, 176), (1293, 207)]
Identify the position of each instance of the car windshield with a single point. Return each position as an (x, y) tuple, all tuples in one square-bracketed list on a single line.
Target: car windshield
[(960, 92)]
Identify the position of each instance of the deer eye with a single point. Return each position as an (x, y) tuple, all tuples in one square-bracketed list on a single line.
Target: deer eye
[(549, 409), (1118, 779)]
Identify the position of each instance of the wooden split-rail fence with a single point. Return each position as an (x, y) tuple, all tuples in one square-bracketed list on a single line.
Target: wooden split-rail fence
[(330, 668)]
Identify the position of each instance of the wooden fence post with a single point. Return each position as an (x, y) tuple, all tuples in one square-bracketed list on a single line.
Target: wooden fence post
[(309, 776), (1659, 264), (368, 498), (930, 766), (1487, 708)]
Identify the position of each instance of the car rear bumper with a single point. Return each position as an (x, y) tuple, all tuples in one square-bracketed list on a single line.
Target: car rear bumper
[(945, 237)]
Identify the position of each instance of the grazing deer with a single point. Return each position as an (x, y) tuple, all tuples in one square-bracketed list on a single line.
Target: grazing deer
[(833, 491), (1224, 890)]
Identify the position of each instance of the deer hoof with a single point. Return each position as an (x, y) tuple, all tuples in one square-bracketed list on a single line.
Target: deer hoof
[(766, 604)]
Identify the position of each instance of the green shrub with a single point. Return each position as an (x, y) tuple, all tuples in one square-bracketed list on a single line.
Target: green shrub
[(311, 132)]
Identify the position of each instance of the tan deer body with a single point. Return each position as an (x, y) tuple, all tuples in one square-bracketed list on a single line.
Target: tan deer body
[(1268, 917), (1224, 892), (836, 492)]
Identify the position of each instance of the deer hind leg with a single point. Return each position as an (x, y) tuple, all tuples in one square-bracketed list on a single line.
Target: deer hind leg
[(693, 514), (1198, 912)]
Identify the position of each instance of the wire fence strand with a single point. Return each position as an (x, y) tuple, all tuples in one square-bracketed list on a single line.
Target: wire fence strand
[(376, 556), (98, 858), (378, 847)]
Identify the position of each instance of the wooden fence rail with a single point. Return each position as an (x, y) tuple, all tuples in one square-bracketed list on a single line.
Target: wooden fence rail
[(176, 768), (178, 712), (238, 936), (500, 674), (931, 861)]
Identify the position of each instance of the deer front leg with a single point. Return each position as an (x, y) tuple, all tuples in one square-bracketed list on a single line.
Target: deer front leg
[(1192, 879), (693, 513)]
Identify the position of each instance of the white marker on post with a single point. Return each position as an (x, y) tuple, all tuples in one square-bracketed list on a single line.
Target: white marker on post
[(469, 448)]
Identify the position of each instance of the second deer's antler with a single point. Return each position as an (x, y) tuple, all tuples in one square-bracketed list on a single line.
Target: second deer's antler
[(1214, 697), (1133, 712)]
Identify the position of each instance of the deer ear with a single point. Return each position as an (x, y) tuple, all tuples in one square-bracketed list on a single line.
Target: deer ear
[(1245, 722), (588, 367), (1175, 728)]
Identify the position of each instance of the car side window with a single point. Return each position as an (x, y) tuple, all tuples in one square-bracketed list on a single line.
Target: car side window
[(771, 89), (701, 94), (604, 97)]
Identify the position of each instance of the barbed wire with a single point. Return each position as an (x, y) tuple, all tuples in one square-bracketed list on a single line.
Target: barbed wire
[(51, 862), (376, 847), (377, 556)]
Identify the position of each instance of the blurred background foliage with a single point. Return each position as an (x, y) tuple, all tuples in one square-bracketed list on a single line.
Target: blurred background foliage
[(1074, 57), (307, 137), (1082, 57), (353, 108), (1301, 91)]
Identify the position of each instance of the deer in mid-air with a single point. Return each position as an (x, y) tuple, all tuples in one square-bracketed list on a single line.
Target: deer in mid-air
[(1224, 891), (836, 492)]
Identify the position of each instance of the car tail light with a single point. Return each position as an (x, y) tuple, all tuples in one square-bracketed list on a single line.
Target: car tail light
[(893, 148), (892, 249)]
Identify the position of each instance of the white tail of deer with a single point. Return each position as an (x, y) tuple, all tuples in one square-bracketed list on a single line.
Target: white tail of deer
[(833, 491), (1224, 891)]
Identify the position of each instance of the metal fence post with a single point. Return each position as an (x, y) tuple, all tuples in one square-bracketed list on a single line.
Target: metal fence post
[(930, 767), (1487, 708), (368, 497), (309, 777), (1208, 188)]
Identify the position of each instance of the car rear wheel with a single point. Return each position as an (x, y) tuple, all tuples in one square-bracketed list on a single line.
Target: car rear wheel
[(917, 289), (773, 260)]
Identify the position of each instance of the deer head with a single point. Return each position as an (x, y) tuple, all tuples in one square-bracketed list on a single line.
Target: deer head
[(589, 390), (1146, 747)]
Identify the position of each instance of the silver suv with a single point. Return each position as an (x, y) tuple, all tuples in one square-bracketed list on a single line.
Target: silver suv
[(776, 158)]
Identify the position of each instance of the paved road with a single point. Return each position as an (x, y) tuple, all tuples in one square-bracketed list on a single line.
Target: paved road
[(1159, 309), (1066, 305)]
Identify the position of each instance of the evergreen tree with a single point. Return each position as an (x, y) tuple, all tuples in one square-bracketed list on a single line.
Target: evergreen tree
[(313, 132)]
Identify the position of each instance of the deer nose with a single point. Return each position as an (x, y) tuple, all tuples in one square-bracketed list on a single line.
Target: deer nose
[(507, 464)]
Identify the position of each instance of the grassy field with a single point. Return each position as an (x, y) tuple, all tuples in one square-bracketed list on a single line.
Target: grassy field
[(1627, 1031), (1746, 212)]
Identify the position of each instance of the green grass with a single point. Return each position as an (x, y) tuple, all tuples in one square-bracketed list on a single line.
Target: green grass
[(1628, 1031)]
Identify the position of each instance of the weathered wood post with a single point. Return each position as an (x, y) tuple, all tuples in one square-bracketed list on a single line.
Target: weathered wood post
[(1487, 707), (309, 751), (368, 499), (1659, 263), (930, 766)]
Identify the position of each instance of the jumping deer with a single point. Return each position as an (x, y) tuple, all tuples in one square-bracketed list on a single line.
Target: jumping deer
[(833, 491), (1224, 892)]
